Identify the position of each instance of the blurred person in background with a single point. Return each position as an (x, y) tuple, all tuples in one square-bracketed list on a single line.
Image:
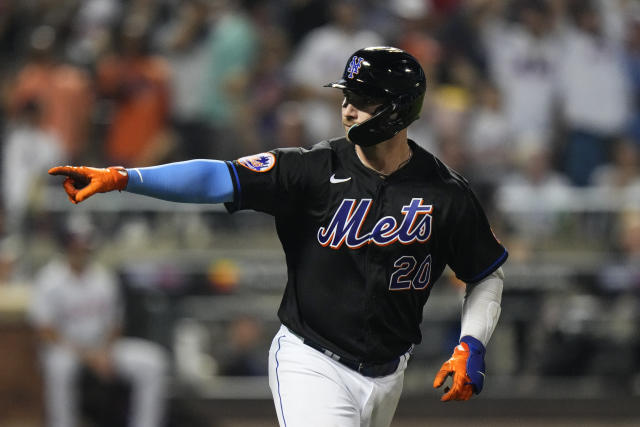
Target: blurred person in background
[(15, 24), (567, 341), (301, 17), (334, 41), (623, 170), (594, 90), (460, 32), (450, 108), (9, 255), (184, 43), (136, 83), (414, 29), (460, 72), (622, 274), (289, 125), (523, 62), (632, 63), (620, 281), (589, 327), (78, 314), (458, 59), (489, 137), (535, 187), (414, 32), (62, 91), (90, 30), (244, 355), (233, 49), (27, 148), (269, 92)]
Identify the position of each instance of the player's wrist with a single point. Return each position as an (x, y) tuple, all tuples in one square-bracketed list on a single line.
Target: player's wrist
[(475, 367), (120, 177), (474, 344)]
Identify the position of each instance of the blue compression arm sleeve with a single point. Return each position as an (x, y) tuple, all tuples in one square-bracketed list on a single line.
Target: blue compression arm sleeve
[(193, 181)]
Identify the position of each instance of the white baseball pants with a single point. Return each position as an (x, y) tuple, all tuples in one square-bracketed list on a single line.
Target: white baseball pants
[(142, 363), (310, 389)]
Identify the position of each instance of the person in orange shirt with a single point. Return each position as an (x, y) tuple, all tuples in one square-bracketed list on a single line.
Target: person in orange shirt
[(138, 85), (63, 91)]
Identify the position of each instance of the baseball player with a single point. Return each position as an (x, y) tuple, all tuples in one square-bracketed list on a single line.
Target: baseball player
[(368, 223), (76, 310)]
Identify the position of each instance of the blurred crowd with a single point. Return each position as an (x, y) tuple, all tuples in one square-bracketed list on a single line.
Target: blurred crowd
[(532, 100), (526, 98), (533, 93)]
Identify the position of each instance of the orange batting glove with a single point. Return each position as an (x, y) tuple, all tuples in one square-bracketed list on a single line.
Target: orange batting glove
[(467, 367), (83, 182)]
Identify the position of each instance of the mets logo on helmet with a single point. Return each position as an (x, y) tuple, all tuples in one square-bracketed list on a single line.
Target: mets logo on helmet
[(354, 66), (262, 162)]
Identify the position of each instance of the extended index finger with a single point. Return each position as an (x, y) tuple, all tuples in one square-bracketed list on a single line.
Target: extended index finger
[(65, 170)]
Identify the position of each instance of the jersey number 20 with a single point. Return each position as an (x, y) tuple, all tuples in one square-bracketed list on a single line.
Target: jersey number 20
[(403, 277)]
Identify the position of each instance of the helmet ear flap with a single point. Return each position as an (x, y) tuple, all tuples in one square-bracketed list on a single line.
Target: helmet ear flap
[(402, 115), (390, 119), (374, 130)]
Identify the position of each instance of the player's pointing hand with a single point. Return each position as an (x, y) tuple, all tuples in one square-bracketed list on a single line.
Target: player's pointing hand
[(82, 182)]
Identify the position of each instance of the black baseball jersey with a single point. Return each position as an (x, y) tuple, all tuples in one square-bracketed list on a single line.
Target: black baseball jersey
[(363, 251)]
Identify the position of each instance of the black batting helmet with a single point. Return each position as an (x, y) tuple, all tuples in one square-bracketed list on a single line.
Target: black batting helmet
[(392, 78)]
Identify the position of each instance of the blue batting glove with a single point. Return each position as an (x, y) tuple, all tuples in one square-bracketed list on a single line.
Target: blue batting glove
[(475, 362)]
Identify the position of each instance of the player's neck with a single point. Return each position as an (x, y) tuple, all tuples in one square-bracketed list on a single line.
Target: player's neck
[(388, 156)]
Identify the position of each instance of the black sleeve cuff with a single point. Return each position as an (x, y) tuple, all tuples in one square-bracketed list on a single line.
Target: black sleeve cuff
[(486, 272), (237, 194)]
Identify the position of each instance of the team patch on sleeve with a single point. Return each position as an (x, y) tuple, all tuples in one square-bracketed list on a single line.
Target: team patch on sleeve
[(262, 162)]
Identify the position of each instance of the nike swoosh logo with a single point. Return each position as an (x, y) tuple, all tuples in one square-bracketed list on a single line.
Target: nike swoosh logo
[(335, 180), (481, 373)]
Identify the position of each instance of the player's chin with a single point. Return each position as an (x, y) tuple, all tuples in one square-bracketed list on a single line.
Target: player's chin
[(347, 126)]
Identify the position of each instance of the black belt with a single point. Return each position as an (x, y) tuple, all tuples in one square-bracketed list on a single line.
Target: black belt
[(372, 370)]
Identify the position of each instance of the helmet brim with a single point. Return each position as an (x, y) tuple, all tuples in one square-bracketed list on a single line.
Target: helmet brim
[(360, 88), (340, 84)]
